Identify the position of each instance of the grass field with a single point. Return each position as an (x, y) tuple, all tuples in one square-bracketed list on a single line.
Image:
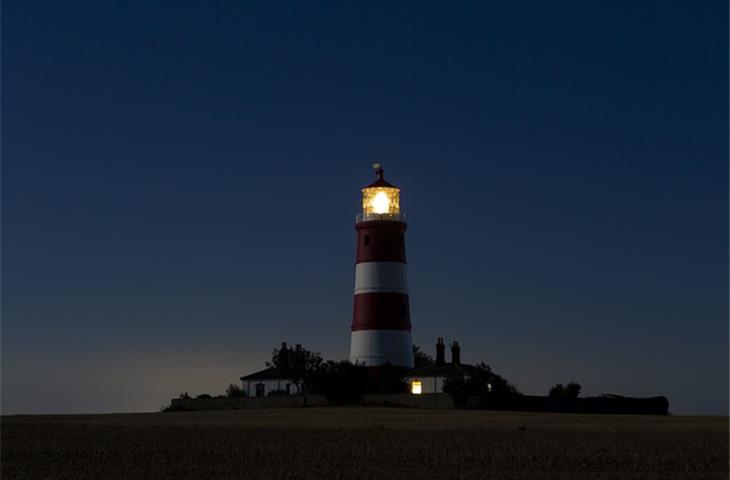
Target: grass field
[(363, 443)]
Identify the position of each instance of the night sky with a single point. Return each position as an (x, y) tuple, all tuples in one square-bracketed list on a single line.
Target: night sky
[(180, 181)]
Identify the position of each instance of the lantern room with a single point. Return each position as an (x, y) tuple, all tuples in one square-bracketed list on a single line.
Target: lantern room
[(380, 199)]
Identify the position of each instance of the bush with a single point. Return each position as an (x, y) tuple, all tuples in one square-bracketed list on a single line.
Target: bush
[(340, 382), (345, 383), (386, 379), (277, 393), (456, 387), (203, 395), (184, 396), (484, 383), (234, 390), (421, 358), (570, 391)]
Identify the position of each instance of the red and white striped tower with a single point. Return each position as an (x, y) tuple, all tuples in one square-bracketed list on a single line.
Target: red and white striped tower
[(381, 323)]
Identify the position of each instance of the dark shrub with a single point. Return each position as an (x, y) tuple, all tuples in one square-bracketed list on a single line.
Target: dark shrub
[(234, 390), (421, 358), (341, 382), (570, 391), (386, 379), (493, 390), (345, 383)]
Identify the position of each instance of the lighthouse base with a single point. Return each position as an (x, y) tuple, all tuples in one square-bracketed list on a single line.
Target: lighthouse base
[(373, 348)]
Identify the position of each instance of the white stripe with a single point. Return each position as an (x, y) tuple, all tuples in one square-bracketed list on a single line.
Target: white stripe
[(378, 347), (374, 277)]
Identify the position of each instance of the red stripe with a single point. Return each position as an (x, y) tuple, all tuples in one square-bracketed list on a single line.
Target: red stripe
[(381, 241), (381, 311)]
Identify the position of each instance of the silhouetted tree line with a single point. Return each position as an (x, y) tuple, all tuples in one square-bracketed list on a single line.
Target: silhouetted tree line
[(340, 382), (489, 387), (604, 404), (343, 382)]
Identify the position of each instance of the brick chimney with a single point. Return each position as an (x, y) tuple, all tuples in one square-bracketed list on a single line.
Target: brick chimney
[(440, 351), (283, 356), (455, 353)]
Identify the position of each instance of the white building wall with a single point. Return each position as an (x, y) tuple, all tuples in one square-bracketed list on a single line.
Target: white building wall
[(249, 386), (428, 384)]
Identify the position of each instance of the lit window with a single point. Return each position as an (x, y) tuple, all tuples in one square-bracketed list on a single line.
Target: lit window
[(416, 387)]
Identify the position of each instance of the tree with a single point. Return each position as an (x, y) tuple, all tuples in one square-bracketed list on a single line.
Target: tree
[(570, 391), (457, 387), (421, 358), (481, 382), (341, 382), (556, 391), (296, 364), (234, 390), (386, 379), (496, 384), (345, 383)]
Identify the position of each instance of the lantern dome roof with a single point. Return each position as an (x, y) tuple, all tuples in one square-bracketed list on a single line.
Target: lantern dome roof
[(380, 182)]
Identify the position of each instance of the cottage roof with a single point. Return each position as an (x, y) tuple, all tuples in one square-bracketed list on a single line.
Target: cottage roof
[(267, 374)]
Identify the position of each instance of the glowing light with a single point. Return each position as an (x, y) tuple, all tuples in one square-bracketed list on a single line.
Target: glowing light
[(381, 202), (416, 387)]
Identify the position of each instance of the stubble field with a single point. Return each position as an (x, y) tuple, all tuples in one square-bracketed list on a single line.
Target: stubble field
[(363, 443)]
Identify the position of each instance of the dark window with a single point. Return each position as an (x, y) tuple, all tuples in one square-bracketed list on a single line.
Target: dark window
[(404, 311), (260, 389), (367, 240)]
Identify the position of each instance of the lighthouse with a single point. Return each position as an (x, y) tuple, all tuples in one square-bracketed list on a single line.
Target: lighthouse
[(381, 320)]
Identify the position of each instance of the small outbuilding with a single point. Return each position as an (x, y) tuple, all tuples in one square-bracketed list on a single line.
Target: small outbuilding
[(272, 380), (264, 382)]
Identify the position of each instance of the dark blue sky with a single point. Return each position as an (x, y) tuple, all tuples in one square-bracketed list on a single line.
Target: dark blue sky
[(180, 181)]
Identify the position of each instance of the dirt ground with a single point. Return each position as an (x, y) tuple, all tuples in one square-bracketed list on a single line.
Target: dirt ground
[(363, 443)]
